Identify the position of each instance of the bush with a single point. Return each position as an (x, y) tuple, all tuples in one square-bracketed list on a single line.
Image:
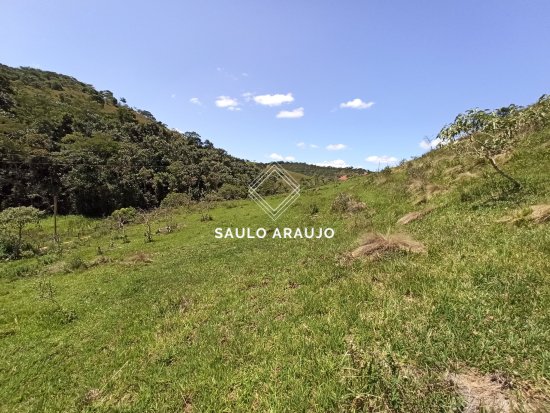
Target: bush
[(12, 224), (176, 200), (313, 209), (345, 202), (212, 197), (76, 263), (229, 191)]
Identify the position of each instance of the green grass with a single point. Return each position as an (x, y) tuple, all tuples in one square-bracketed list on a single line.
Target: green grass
[(287, 325)]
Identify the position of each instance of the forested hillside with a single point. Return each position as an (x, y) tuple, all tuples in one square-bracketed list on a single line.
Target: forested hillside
[(322, 172), (61, 137)]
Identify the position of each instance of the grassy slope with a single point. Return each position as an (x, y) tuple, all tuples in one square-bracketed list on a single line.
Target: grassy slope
[(287, 325)]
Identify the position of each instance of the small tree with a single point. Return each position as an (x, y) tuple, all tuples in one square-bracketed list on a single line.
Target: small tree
[(487, 133), (14, 220), (176, 200), (122, 217), (147, 218)]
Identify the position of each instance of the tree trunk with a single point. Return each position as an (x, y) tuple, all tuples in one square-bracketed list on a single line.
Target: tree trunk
[(55, 236), (516, 183)]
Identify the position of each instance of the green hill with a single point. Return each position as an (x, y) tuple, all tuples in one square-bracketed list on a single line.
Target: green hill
[(59, 136), (321, 172)]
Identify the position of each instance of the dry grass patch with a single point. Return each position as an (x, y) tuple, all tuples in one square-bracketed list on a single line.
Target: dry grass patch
[(413, 216), (347, 203), (482, 393), (466, 176), (496, 393), (139, 258), (374, 246), (422, 192), (536, 214)]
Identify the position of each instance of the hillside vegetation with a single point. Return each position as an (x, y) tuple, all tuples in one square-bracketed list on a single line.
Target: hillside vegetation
[(60, 137), (433, 296)]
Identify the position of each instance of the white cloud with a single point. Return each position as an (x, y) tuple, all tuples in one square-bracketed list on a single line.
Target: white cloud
[(273, 100), (337, 163), (195, 101), (173, 95), (244, 74), (336, 147), (303, 145), (382, 159), (427, 144), (276, 157), (234, 108), (291, 114), (227, 102), (356, 104), (247, 96)]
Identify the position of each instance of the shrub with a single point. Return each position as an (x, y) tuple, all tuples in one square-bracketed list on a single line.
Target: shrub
[(212, 197), (345, 202), (313, 209), (176, 200), (76, 263), (122, 217), (12, 224), (229, 191)]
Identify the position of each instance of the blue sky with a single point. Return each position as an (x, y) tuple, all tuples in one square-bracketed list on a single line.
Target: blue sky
[(354, 82)]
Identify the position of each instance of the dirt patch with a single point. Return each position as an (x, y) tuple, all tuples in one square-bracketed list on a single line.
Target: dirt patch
[(91, 396), (536, 214), (375, 246), (413, 216)]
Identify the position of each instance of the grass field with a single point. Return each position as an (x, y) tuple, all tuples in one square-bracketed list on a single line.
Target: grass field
[(193, 323)]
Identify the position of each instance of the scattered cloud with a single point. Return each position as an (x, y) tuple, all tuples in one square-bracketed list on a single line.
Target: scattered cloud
[(291, 114), (244, 74), (227, 74), (195, 101), (430, 144), (247, 96), (228, 103), (336, 147), (273, 100), (382, 159), (173, 95), (276, 157), (337, 163), (303, 145), (356, 104)]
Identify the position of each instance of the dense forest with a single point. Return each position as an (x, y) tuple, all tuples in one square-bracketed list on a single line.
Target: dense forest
[(61, 137), (322, 172)]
